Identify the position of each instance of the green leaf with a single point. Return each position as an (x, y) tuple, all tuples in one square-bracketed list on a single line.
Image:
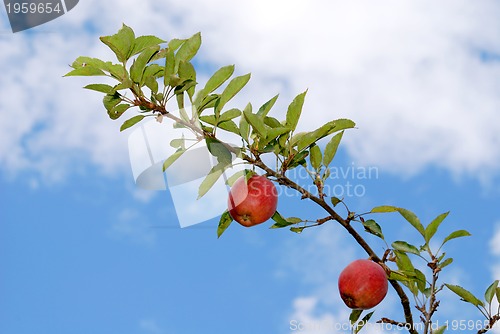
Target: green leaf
[(232, 89), (230, 114), (207, 103), (171, 159), (403, 262), (354, 316), (119, 73), (103, 88), (180, 100), (189, 48), (218, 150), (143, 42), (210, 119), (466, 295), (299, 159), (294, 111), (278, 218), (398, 276), (427, 292), (412, 219), (244, 126), (218, 78), (121, 43), (363, 322), (281, 222), (335, 201), (111, 100), (215, 81), (169, 67), (296, 138), (420, 280), (183, 86), (272, 134), (266, 107), (85, 71), (407, 214), (176, 43), (151, 83), (256, 122), (131, 122), (323, 131), (440, 330), (403, 246), (212, 177), (490, 292), (231, 180), (331, 148), (456, 234), (498, 294), (187, 71), (432, 228), (445, 263), (118, 110), (139, 65), (373, 228), (84, 61), (294, 220), (315, 156), (312, 137), (297, 230), (184, 115), (154, 70), (226, 125), (178, 143), (271, 122), (224, 222), (384, 209), (326, 173), (230, 126)]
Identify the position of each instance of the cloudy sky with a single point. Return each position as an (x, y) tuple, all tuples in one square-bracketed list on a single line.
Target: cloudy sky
[(83, 250)]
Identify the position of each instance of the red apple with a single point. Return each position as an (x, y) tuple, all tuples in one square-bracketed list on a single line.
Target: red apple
[(363, 284), (253, 202)]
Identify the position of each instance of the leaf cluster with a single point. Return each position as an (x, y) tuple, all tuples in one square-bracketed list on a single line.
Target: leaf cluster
[(150, 73)]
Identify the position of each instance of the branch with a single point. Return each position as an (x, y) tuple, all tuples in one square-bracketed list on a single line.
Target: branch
[(493, 321), (283, 180), (433, 303), (346, 224), (392, 322)]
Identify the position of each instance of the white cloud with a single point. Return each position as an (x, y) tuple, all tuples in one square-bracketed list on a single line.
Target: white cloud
[(130, 225), (150, 326), (409, 73), (495, 242), (308, 320)]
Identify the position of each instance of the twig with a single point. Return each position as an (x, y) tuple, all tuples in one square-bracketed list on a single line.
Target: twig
[(318, 200), (345, 223), (392, 322)]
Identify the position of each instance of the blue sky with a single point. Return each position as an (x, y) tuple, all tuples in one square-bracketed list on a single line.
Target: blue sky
[(83, 250)]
